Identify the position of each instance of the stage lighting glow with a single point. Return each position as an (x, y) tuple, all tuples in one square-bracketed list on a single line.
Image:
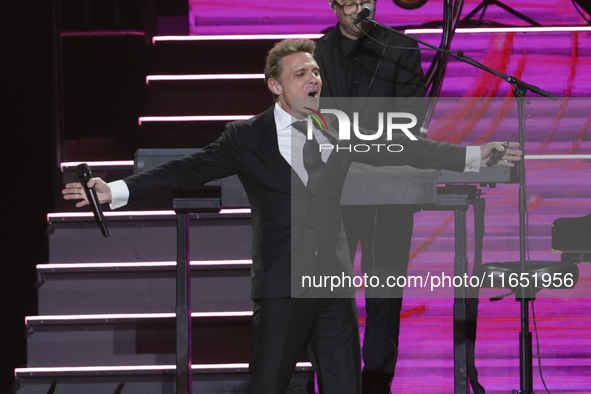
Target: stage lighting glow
[(203, 77), (557, 157), (550, 29), (203, 118), (119, 163), (132, 368), (143, 264), (122, 316), (236, 37)]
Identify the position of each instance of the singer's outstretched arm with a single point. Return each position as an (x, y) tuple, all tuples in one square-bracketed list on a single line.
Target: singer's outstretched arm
[(74, 191)]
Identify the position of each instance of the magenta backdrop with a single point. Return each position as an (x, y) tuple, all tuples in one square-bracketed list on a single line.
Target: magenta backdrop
[(557, 62)]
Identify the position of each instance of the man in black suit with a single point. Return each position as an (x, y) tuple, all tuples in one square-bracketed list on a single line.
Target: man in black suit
[(355, 65), (278, 184)]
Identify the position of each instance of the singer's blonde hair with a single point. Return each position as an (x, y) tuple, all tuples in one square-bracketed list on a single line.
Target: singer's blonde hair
[(274, 66)]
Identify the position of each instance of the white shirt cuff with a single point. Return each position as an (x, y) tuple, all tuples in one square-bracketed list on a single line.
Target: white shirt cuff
[(472, 159), (119, 194)]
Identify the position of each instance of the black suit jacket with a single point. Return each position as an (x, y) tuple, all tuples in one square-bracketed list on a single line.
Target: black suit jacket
[(291, 223), (379, 71)]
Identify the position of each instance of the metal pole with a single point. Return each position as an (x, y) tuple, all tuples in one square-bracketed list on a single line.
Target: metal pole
[(183, 307), (58, 89), (460, 307), (525, 345)]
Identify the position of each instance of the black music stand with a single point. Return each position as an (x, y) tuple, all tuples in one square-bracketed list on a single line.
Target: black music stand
[(182, 207)]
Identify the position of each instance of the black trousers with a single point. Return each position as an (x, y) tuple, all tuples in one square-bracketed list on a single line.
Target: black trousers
[(385, 233), (284, 327)]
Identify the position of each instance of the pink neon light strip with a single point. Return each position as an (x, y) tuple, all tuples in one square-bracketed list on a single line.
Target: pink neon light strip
[(134, 316), (98, 163), (206, 118), (96, 368), (139, 368), (104, 33), (236, 37), (43, 267), (504, 30), (238, 365), (557, 157), (203, 77), (409, 31), (229, 210), (61, 215)]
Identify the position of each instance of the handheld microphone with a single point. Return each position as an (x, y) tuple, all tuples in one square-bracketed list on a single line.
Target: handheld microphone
[(84, 174), (367, 11), (494, 159)]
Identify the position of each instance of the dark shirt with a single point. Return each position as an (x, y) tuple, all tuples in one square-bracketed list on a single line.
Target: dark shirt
[(348, 70)]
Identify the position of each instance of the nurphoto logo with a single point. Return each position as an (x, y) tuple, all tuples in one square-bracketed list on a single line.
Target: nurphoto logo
[(392, 120)]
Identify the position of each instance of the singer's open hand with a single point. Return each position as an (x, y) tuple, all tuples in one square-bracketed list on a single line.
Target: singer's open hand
[(511, 154), (74, 191)]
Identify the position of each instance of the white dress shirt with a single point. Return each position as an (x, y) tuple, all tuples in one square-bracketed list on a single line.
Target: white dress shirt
[(291, 142)]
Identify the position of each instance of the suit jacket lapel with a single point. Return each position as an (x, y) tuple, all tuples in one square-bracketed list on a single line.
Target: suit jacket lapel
[(265, 144)]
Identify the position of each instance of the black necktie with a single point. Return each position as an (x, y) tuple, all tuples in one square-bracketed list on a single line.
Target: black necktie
[(312, 157)]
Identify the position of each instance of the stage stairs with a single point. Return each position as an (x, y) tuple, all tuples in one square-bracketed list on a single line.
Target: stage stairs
[(105, 322)]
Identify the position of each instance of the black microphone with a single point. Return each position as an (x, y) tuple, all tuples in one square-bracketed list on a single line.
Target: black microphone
[(497, 154), (84, 174), (367, 11)]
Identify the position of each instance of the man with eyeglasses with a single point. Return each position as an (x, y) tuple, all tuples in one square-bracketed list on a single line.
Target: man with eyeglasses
[(353, 64)]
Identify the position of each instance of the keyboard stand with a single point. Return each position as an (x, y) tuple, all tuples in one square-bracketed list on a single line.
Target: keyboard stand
[(458, 198), (182, 207)]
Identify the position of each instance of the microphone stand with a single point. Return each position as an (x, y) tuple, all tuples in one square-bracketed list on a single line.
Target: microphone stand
[(519, 91)]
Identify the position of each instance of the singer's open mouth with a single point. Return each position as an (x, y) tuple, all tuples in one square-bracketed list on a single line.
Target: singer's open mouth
[(313, 94)]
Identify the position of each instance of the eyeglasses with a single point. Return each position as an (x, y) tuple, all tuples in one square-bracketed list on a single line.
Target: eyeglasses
[(351, 8)]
